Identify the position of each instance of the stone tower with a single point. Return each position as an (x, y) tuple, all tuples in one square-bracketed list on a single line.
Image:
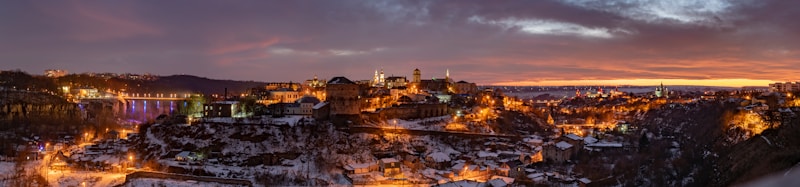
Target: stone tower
[(417, 76), (342, 94)]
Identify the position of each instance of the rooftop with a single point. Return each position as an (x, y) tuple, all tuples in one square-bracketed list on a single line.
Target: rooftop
[(340, 80), (563, 145), (573, 136), (389, 160)]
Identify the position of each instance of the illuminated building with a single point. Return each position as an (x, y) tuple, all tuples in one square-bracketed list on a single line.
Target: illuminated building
[(55, 73), (417, 76), (464, 87), (314, 83), (395, 81), (379, 80), (784, 87), (661, 91)]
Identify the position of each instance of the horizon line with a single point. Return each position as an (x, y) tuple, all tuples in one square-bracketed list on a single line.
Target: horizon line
[(735, 83)]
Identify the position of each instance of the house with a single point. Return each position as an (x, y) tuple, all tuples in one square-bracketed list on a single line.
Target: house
[(438, 160), (558, 153), (302, 106), (574, 140), (502, 170), (320, 111), (59, 161), (219, 109), (390, 167), (516, 169), (360, 168), (187, 156)]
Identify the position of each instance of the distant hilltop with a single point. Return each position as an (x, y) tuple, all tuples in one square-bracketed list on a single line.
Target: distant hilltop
[(134, 83)]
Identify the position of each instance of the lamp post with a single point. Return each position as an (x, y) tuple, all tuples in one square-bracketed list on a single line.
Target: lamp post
[(130, 161)]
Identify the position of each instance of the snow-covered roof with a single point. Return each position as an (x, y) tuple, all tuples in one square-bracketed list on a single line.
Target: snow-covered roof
[(389, 160), (507, 180), (439, 157), (461, 183), (183, 154), (589, 140), (573, 136), (605, 144), (563, 145), (536, 176), (535, 141), (308, 99), (358, 166), (458, 166), (487, 154), (319, 105), (497, 183)]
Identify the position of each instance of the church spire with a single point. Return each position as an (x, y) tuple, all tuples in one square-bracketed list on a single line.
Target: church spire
[(447, 75), (382, 78)]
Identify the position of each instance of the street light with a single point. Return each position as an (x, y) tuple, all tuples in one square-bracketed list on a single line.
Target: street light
[(130, 161)]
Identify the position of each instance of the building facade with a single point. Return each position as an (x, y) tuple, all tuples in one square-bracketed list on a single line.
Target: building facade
[(784, 87)]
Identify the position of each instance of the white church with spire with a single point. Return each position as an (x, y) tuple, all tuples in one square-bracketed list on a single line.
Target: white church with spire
[(661, 91)]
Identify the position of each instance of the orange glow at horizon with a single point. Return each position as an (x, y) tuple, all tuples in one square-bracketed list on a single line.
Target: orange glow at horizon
[(643, 82)]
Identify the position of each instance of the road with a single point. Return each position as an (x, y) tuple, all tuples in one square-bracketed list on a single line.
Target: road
[(379, 130)]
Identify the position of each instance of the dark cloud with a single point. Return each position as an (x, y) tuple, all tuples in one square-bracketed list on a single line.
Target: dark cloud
[(484, 42)]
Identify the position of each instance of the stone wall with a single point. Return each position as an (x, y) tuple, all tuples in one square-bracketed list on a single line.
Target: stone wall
[(171, 176), (410, 111)]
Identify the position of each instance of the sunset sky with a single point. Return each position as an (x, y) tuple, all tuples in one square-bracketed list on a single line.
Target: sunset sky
[(537, 42)]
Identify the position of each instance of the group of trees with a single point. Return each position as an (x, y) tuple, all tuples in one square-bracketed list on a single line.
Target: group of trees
[(19, 80)]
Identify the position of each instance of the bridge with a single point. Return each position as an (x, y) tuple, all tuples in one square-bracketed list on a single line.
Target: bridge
[(155, 98), (136, 96), (138, 106)]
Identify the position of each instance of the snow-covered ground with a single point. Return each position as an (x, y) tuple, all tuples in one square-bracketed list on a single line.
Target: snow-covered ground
[(84, 178), (432, 124), (6, 171), (171, 183), (290, 120)]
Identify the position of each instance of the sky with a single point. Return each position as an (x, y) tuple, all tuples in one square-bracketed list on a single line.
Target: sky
[(536, 42)]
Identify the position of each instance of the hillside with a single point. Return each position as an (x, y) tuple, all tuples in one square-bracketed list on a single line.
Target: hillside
[(696, 145), (775, 150), (180, 83)]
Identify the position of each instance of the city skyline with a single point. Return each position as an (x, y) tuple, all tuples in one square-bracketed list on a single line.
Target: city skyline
[(538, 43)]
